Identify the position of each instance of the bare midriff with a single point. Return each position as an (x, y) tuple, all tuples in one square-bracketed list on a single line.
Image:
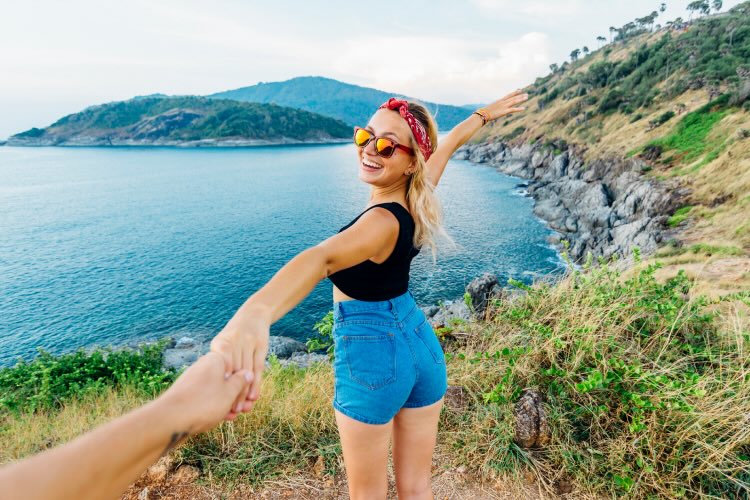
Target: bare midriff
[(339, 296)]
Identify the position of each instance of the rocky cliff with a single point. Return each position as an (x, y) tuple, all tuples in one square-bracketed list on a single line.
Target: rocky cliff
[(605, 207)]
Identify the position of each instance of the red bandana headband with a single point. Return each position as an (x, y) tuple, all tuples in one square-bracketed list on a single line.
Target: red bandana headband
[(420, 134)]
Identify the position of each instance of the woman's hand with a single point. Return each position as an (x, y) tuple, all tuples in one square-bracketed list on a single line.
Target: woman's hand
[(202, 396), (506, 105), (243, 343)]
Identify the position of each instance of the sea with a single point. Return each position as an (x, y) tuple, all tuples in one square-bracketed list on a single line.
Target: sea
[(111, 246)]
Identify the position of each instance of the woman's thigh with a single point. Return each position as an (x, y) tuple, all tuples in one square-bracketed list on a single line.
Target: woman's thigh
[(365, 449), (414, 439)]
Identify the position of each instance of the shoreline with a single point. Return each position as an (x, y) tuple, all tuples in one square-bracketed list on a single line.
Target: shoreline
[(198, 144)]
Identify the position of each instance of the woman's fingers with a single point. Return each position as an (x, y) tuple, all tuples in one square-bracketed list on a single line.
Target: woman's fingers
[(260, 359), (247, 357), (224, 348)]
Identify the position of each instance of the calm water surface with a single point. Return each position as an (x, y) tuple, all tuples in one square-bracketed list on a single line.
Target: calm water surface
[(114, 245)]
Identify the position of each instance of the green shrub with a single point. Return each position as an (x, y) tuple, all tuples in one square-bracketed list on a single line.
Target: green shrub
[(323, 338), (48, 381)]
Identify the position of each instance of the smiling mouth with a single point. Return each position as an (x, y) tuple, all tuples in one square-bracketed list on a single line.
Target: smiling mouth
[(370, 165)]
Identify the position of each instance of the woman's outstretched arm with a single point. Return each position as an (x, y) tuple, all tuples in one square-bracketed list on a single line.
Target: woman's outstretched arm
[(464, 131), (243, 342)]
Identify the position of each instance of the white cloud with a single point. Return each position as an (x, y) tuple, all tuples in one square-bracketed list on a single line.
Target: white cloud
[(504, 8), (446, 70)]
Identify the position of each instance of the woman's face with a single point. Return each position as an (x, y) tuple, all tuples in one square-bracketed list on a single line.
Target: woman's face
[(390, 124)]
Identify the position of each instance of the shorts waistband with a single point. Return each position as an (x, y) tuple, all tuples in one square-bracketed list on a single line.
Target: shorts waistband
[(401, 306)]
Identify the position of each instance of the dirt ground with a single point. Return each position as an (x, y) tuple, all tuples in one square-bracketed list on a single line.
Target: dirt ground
[(166, 480)]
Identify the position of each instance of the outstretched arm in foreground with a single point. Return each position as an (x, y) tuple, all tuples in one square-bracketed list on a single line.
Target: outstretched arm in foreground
[(243, 342), (462, 132), (103, 462)]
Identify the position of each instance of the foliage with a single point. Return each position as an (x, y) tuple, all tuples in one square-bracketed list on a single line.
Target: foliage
[(323, 337), (679, 216), (688, 140), (639, 382), (191, 118), (49, 381)]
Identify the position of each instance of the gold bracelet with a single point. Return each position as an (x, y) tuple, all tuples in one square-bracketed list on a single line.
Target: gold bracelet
[(484, 114)]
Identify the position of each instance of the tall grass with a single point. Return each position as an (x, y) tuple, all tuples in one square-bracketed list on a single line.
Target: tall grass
[(646, 387)]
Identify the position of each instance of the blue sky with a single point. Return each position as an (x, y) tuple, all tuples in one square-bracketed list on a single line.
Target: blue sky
[(59, 57)]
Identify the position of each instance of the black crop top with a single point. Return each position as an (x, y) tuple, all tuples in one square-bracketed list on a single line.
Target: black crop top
[(370, 281)]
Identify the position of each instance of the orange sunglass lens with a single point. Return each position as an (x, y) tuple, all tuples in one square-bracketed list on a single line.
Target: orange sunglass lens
[(361, 136), (384, 147)]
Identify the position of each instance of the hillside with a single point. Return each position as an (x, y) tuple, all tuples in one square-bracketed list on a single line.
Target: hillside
[(349, 103), (184, 121), (674, 99)]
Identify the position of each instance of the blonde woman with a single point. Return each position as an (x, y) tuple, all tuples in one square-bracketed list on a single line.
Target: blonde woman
[(389, 369)]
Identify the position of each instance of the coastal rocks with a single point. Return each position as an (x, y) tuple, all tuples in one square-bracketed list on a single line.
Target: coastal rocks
[(481, 290), (186, 350), (450, 310), (284, 347), (605, 207)]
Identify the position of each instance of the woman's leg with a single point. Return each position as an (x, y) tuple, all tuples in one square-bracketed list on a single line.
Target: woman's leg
[(365, 448), (414, 439)]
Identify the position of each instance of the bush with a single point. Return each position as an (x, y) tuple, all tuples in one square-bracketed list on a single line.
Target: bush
[(637, 378), (49, 381)]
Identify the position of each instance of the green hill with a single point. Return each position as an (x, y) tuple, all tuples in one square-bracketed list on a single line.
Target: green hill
[(349, 103), (675, 96), (184, 121)]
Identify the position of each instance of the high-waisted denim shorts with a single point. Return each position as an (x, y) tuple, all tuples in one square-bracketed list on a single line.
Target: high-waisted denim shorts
[(386, 357)]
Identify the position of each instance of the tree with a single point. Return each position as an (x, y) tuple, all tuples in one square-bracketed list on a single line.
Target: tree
[(717, 4), (662, 7), (652, 17), (585, 50), (574, 54), (554, 67), (692, 7), (612, 30), (600, 39), (698, 6)]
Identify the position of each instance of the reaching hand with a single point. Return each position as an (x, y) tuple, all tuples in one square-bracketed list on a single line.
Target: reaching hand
[(506, 105), (243, 344), (203, 394)]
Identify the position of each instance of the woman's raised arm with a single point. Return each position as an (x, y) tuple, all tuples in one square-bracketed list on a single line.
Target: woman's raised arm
[(466, 129), (243, 342)]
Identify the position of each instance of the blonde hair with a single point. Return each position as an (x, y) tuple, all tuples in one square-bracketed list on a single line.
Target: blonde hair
[(422, 202)]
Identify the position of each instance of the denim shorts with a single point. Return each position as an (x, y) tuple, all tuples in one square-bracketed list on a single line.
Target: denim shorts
[(386, 357)]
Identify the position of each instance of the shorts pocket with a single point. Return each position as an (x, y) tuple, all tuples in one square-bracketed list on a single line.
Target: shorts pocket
[(371, 359), (426, 334)]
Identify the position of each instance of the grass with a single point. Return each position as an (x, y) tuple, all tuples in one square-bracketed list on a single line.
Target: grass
[(647, 391), (679, 216), (688, 140)]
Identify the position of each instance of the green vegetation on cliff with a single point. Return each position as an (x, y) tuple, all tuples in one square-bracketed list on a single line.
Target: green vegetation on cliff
[(183, 119)]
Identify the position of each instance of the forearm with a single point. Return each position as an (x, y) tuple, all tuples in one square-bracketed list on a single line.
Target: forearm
[(101, 463), (288, 287), (460, 134)]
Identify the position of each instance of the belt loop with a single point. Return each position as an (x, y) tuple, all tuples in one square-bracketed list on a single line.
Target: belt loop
[(394, 309), (337, 310)]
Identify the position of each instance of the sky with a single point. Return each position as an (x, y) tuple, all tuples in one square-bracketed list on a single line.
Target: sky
[(57, 58)]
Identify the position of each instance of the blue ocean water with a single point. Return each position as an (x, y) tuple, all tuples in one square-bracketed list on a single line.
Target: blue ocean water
[(113, 245)]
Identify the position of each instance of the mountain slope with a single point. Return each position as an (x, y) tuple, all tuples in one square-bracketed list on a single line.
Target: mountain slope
[(180, 121), (677, 99), (349, 103)]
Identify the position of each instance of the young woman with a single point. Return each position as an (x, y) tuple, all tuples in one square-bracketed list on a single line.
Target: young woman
[(389, 369)]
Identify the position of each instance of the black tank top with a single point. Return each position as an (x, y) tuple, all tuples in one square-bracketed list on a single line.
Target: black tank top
[(370, 281)]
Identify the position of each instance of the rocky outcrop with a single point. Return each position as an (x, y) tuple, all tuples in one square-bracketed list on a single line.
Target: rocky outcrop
[(605, 207), (186, 350)]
